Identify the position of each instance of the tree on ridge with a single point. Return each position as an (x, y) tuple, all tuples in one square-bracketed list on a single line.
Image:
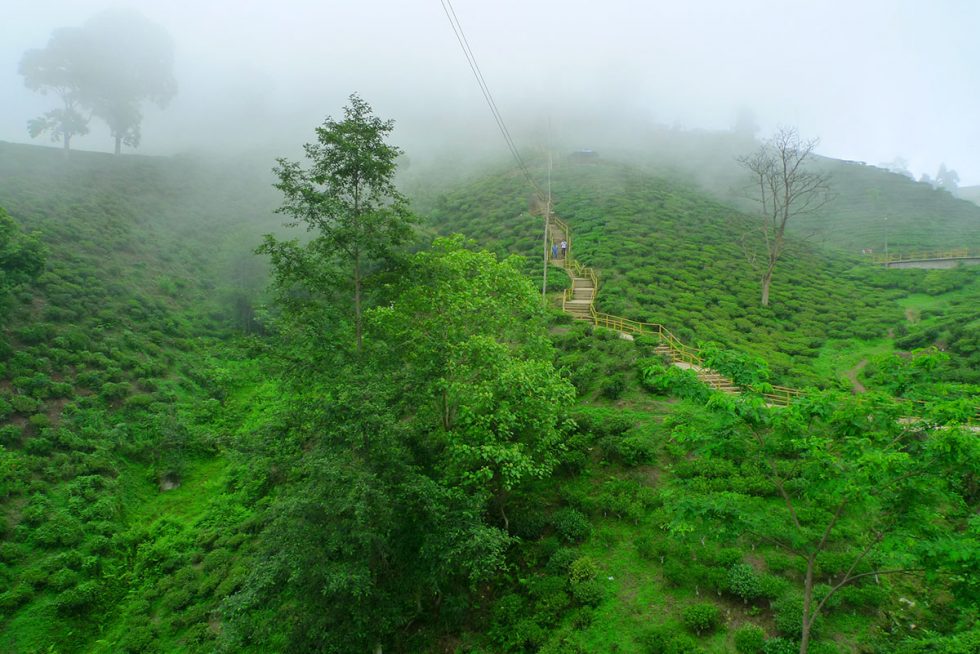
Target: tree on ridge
[(107, 69)]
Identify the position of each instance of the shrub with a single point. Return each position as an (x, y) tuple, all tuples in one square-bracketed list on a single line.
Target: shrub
[(749, 639), (702, 618), (562, 559), (79, 600), (589, 593), (10, 434), (788, 616), (6, 409), (24, 404), (16, 596), (582, 569), (528, 523), (780, 646), (634, 450), (571, 525), (612, 387), (744, 582)]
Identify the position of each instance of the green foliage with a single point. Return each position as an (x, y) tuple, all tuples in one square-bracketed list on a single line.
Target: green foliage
[(571, 525), (749, 639), (347, 198), (21, 258), (702, 618), (780, 646), (744, 582)]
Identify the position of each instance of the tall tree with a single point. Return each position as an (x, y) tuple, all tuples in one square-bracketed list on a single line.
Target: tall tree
[(400, 459), (134, 63), (784, 187), (61, 68), (347, 198), (108, 68)]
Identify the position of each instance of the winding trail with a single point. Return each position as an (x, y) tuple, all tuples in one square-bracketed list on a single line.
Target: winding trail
[(856, 386)]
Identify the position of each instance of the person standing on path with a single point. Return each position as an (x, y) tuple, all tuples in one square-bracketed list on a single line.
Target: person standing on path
[(554, 250), (564, 248)]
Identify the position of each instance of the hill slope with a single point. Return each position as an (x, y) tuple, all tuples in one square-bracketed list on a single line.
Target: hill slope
[(666, 253), (918, 216), (114, 395)]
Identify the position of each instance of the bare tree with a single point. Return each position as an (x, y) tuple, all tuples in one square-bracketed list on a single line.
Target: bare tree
[(784, 189)]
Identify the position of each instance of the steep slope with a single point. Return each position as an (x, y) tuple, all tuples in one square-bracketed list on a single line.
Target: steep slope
[(114, 394)]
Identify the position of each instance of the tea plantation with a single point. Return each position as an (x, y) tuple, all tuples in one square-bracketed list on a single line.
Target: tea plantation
[(166, 435)]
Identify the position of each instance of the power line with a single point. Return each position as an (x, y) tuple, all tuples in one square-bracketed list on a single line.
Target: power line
[(447, 7)]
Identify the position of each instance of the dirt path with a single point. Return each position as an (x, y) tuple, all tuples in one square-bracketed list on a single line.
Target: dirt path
[(852, 374)]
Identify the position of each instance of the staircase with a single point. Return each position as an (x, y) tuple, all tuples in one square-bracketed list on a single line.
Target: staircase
[(578, 301)]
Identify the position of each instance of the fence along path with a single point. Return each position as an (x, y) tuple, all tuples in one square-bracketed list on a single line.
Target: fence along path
[(579, 302)]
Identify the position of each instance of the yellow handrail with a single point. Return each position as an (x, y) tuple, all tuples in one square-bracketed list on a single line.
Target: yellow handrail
[(679, 351), (957, 253)]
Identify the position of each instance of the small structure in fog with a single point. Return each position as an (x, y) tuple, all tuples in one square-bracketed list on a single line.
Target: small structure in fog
[(585, 155)]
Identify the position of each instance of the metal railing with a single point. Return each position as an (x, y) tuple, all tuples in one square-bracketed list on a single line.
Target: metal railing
[(957, 253), (679, 351)]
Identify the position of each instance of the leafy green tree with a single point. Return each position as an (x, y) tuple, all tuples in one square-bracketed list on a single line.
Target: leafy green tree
[(348, 200), (133, 57), (858, 493), (466, 335), (60, 68), (400, 459)]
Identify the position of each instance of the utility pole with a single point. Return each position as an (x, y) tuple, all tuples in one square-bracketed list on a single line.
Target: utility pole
[(547, 221), (886, 243)]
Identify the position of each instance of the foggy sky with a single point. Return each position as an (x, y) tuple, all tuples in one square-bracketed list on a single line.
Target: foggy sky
[(874, 79)]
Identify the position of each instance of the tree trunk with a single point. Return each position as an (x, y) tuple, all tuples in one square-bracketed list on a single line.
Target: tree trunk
[(377, 649), (118, 144), (766, 281), (807, 603), (357, 299), (67, 141)]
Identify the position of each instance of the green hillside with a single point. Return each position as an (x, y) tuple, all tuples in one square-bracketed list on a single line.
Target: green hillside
[(189, 465), (665, 253), (113, 391), (971, 193), (874, 205), (919, 217)]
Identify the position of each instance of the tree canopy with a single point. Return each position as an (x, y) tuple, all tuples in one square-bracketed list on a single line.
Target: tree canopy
[(108, 68), (844, 485), (403, 456), (348, 200)]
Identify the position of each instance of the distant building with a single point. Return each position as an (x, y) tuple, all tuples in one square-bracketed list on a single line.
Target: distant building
[(586, 155)]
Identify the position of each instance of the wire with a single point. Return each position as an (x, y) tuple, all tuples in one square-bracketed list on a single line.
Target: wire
[(447, 7)]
